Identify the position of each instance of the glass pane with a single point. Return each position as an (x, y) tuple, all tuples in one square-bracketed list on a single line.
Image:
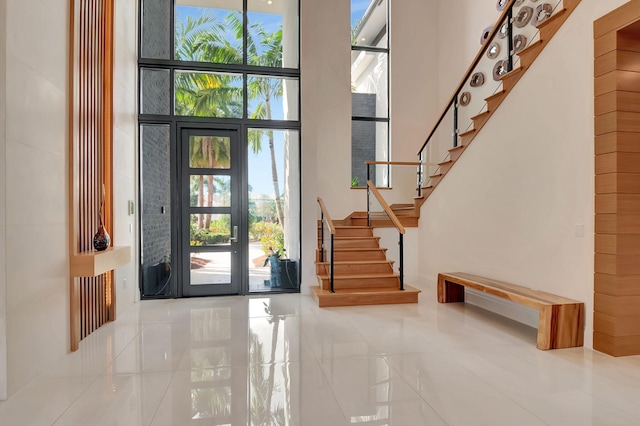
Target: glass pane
[(369, 23), (156, 29), (155, 96), (274, 209), (211, 402), (209, 152), (210, 191), (209, 229), (155, 163), (210, 268), (273, 33), (205, 94), (209, 34), (369, 84), (273, 98), (369, 142)]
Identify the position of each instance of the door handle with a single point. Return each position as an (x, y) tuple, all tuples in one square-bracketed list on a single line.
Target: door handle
[(234, 237)]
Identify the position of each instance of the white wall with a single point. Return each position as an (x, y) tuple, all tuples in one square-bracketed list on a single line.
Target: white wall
[(509, 207), (37, 261), (326, 107), (3, 264), (125, 148)]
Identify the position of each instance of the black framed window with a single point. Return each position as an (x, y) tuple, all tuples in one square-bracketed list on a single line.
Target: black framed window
[(370, 116), (231, 63)]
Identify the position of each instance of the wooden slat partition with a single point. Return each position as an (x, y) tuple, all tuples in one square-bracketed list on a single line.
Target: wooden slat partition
[(91, 68), (617, 181)]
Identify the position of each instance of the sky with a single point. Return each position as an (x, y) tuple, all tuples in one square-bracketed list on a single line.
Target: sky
[(358, 7)]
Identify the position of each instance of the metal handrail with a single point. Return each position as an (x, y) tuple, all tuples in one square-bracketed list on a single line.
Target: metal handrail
[(325, 217), (506, 13), (396, 222)]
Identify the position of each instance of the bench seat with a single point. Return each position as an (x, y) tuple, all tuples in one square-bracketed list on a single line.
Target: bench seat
[(561, 320)]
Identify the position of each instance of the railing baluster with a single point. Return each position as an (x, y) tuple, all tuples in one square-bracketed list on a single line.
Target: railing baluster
[(321, 236), (332, 291), (455, 121), (368, 195), (510, 39), (401, 243)]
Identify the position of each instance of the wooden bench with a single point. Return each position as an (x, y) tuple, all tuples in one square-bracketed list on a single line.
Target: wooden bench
[(561, 321)]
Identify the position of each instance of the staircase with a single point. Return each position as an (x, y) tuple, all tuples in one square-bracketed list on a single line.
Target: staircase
[(547, 29), (362, 273)]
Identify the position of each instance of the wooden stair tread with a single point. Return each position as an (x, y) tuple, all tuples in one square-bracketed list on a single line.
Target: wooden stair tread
[(361, 276), (458, 148), (364, 296), (446, 163), (533, 46), (498, 94), (511, 73), (438, 175), (372, 290), (481, 115), (358, 248), (357, 262), (467, 133), (552, 18), (355, 238), (352, 227)]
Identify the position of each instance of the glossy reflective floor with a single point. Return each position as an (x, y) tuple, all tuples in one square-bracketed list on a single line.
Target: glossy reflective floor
[(280, 360)]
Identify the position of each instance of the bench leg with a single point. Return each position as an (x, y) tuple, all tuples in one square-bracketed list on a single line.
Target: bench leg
[(449, 292), (561, 326)]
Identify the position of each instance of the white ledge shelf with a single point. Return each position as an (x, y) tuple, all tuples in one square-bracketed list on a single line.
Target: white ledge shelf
[(94, 263)]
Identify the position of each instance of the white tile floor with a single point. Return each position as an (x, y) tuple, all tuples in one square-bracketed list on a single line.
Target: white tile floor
[(279, 360)]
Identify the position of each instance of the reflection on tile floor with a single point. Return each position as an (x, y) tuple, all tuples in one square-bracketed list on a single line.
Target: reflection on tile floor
[(280, 360)]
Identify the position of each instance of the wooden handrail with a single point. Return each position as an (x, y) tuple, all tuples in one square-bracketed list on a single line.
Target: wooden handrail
[(386, 208), (393, 163), (330, 225), (475, 62)]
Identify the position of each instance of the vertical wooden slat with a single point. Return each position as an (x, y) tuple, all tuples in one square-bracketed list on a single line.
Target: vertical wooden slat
[(90, 121)]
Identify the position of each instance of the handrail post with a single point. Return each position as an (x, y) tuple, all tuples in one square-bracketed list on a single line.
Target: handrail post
[(510, 39), (321, 236), (419, 173), (401, 243), (455, 121), (368, 195), (332, 291)]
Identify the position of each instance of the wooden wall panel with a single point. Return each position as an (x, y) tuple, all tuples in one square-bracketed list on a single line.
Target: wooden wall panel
[(617, 181)]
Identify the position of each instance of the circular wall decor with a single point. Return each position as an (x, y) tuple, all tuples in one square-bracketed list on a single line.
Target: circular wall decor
[(501, 4), (465, 98), (493, 51), (477, 80), (519, 43), (500, 69), (485, 34), (523, 17), (542, 13), (518, 3), (504, 30)]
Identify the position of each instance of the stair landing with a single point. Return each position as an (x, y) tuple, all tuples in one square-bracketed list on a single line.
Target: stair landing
[(364, 296)]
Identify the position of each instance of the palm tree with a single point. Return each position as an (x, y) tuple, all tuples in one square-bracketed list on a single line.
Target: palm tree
[(207, 152), (267, 54)]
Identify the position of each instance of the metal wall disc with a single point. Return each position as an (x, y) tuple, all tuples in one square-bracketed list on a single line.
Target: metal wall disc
[(504, 30), (485, 34), (465, 98), (523, 17), (477, 80), (500, 69), (518, 3), (501, 4), (519, 43), (542, 13), (493, 51)]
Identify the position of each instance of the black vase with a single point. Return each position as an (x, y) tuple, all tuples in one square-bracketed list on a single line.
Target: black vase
[(101, 240)]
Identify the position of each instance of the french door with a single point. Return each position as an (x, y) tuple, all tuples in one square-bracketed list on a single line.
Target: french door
[(210, 199)]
